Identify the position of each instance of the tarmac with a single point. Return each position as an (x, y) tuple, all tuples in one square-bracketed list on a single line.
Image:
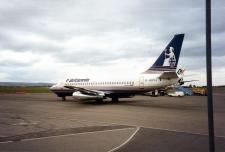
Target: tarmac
[(42, 122)]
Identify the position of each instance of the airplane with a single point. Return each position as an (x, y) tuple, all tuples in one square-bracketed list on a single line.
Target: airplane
[(160, 75)]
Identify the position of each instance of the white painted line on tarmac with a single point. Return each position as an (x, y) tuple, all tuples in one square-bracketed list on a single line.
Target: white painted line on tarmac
[(66, 135), (124, 143), (180, 131), (163, 129)]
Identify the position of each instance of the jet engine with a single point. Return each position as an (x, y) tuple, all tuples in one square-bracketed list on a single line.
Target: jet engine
[(88, 95)]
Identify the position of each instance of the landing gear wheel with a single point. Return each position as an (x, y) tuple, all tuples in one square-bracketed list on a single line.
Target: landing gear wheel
[(63, 98), (115, 99), (99, 100)]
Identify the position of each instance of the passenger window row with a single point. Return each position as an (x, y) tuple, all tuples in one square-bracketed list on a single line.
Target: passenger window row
[(103, 83)]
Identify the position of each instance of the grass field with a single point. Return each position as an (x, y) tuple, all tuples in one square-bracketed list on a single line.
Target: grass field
[(24, 90)]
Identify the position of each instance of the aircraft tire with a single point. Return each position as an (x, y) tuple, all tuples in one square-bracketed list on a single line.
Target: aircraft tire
[(99, 100), (115, 99), (64, 98)]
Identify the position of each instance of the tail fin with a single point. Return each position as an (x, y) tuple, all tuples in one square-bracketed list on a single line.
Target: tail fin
[(169, 58)]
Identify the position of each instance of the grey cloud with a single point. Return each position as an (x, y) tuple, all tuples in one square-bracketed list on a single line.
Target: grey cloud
[(60, 21), (218, 21), (14, 64), (96, 57)]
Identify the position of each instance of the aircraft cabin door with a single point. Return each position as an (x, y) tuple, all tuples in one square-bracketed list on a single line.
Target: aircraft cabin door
[(141, 82)]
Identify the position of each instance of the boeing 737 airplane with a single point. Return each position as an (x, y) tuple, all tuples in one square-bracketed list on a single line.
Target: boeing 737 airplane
[(160, 75)]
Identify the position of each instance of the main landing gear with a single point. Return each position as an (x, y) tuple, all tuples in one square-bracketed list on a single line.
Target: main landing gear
[(99, 100), (115, 99), (63, 98)]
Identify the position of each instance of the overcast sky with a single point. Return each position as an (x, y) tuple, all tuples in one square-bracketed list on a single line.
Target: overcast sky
[(50, 40)]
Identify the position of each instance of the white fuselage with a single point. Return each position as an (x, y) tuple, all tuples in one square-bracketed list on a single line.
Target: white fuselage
[(142, 83)]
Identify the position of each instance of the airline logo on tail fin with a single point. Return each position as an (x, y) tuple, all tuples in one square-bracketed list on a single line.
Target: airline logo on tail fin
[(168, 59)]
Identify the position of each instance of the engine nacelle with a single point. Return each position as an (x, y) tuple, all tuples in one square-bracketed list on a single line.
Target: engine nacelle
[(80, 96)]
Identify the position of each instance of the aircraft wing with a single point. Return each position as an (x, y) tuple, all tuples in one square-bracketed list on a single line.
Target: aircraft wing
[(168, 75), (84, 91)]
